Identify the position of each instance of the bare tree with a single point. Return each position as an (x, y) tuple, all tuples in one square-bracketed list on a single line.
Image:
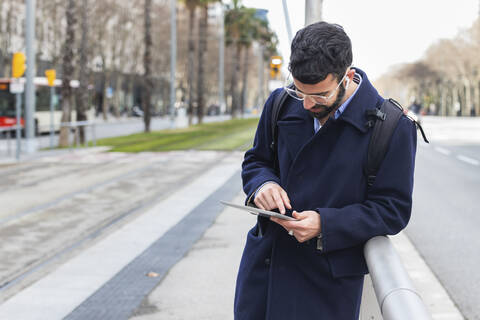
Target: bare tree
[(147, 63), (202, 48), (68, 71), (81, 94)]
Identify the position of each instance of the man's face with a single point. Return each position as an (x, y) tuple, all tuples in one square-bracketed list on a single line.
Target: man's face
[(329, 88)]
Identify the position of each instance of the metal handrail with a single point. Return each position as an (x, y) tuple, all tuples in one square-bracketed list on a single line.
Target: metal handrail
[(76, 124), (396, 296), (72, 126), (9, 130)]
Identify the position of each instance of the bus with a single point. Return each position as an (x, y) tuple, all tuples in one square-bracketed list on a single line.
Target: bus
[(42, 105)]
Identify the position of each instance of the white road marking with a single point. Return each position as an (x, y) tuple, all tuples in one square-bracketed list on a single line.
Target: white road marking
[(443, 151), (468, 160)]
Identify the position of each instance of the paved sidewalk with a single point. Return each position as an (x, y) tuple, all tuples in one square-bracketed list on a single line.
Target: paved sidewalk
[(178, 260), (202, 284)]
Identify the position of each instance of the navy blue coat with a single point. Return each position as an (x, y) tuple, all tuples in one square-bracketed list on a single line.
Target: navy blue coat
[(280, 278)]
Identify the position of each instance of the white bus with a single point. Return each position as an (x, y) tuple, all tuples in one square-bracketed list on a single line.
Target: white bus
[(42, 105)]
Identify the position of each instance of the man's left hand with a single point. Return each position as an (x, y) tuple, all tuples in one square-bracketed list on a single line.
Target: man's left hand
[(307, 227)]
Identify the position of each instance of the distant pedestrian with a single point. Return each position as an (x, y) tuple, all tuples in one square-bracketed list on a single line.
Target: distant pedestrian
[(314, 268), (415, 107)]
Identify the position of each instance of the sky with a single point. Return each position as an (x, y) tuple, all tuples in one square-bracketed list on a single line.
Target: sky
[(383, 32)]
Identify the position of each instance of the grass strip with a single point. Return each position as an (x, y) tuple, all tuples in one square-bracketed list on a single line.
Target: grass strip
[(226, 135)]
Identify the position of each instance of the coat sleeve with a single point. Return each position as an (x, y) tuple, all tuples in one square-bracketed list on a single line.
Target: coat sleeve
[(387, 208), (258, 166)]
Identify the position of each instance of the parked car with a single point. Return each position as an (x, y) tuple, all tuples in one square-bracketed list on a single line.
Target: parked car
[(137, 112)]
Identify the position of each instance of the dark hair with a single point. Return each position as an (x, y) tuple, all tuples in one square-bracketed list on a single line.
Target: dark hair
[(318, 50)]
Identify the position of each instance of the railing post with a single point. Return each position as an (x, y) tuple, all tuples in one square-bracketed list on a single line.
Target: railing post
[(9, 145), (93, 135), (396, 296), (77, 137)]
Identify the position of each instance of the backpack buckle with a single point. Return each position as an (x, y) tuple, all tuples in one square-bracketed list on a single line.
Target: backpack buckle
[(376, 113)]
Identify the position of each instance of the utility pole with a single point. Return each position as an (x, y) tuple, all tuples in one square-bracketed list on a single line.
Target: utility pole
[(173, 59), (287, 20), (30, 143), (313, 11), (221, 62)]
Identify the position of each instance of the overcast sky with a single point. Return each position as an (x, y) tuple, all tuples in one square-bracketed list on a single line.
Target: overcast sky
[(383, 32)]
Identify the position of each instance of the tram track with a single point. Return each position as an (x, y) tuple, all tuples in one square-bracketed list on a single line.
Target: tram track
[(15, 278)]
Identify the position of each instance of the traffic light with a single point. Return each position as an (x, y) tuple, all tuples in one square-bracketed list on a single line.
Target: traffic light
[(18, 64), (275, 65), (51, 75)]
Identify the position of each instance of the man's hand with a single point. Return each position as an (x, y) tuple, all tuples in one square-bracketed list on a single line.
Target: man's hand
[(272, 196), (307, 227)]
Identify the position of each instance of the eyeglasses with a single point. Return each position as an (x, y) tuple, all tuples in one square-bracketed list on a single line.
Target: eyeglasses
[(315, 98)]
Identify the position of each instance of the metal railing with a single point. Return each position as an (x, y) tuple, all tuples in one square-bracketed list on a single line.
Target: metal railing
[(74, 129), (11, 148), (9, 133), (396, 296)]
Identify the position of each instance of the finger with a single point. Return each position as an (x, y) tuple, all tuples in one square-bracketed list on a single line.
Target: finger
[(280, 222), (299, 215), (270, 201), (259, 203), (279, 202), (285, 198)]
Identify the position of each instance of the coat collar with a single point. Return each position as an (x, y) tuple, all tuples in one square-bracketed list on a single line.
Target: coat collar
[(366, 98)]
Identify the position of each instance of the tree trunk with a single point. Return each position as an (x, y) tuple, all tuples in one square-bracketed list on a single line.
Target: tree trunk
[(116, 94), (202, 48), (191, 58), (443, 107), (106, 83), (234, 81), (81, 95), (476, 91), (458, 99), (466, 111), (68, 71), (147, 62), (243, 97)]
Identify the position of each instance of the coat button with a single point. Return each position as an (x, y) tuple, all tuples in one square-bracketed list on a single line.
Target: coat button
[(267, 261)]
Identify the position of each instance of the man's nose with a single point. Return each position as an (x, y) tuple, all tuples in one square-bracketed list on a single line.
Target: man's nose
[(308, 104)]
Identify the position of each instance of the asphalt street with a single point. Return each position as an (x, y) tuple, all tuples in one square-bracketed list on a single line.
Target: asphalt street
[(446, 213)]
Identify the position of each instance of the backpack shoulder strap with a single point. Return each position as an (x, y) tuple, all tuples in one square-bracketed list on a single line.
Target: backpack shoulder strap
[(276, 108), (387, 118)]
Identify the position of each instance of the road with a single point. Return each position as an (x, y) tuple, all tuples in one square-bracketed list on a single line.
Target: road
[(446, 208)]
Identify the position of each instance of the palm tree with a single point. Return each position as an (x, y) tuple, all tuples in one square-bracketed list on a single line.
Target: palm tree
[(232, 34), (68, 71), (242, 28), (248, 33), (202, 49), (191, 6)]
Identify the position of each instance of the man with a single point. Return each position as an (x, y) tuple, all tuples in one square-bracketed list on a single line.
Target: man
[(313, 268)]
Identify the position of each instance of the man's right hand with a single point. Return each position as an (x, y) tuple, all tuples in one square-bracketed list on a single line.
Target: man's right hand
[(272, 196)]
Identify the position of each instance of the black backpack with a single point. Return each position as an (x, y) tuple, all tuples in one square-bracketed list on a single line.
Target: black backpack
[(384, 120)]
